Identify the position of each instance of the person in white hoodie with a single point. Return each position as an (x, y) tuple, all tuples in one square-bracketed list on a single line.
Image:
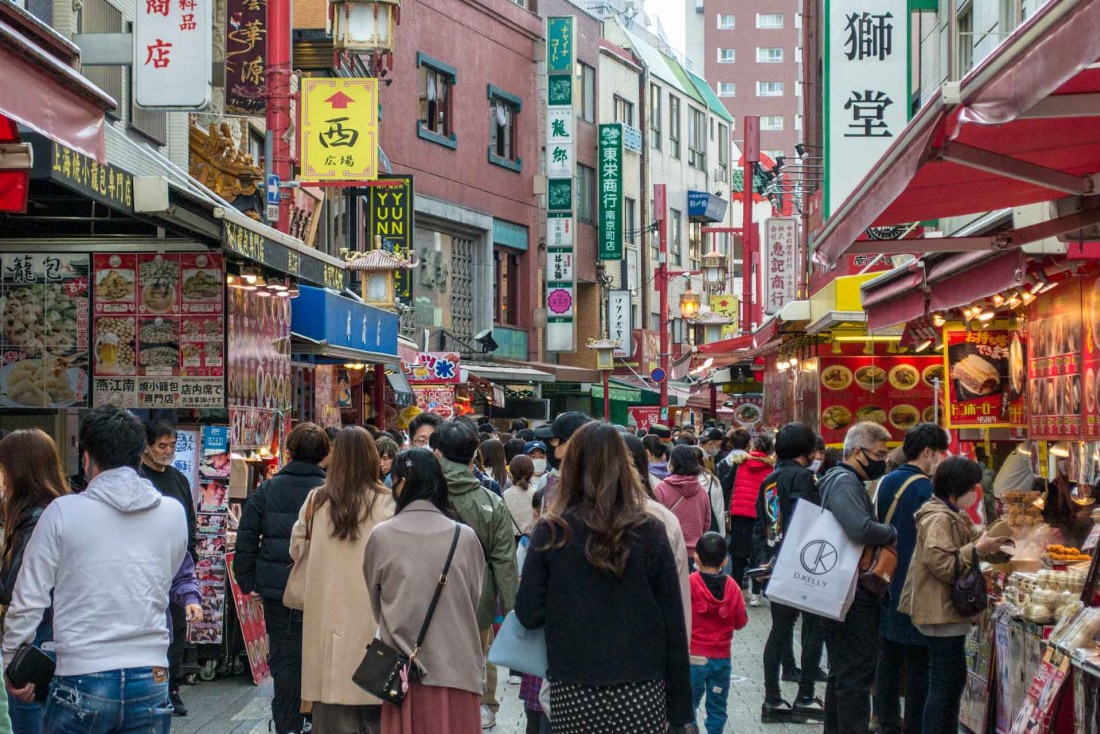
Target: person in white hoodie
[(106, 559)]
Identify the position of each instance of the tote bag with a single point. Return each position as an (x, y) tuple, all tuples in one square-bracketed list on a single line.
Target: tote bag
[(818, 566), (519, 648)]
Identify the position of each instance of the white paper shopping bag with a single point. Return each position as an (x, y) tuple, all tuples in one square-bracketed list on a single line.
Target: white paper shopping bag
[(818, 566)]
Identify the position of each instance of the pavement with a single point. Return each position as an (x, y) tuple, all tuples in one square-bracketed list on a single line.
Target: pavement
[(235, 706)]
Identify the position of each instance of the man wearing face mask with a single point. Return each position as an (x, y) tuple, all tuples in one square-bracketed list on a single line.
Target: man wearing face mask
[(711, 441), (557, 436), (536, 450), (851, 655)]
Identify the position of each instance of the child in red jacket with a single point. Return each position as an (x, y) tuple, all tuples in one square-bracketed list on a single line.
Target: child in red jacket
[(717, 609)]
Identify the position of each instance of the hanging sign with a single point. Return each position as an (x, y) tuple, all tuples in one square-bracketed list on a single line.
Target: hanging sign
[(620, 315), (610, 228), (339, 130), (435, 368), (389, 213), (726, 304), (245, 57), (436, 399), (173, 54), (560, 148), (780, 266), (1059, 392), (644, 416), (985, 378)]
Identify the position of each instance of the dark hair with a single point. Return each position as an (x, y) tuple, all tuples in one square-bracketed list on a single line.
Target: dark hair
[(386, 446), (492, 457), (740, 438), (956, 476), (112, 437), (518, 424), (684, 461), (424, 480), (505, 437), (686, 439), (522, 469), (33, 476), (924, 436), (351, 483), (513, 448), (712, 550), (368, 427), (424, 419), (819, 444), (332, 433), (794, 440), (763, 443), (155, 430), (308, 442), (456, 439), (599, 488), (832, 458), (636, 448), (655, 446), (536, 499)]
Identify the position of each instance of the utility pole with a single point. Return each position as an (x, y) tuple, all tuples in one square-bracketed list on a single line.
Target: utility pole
[(750, 155), (660, 207), (277, 77)]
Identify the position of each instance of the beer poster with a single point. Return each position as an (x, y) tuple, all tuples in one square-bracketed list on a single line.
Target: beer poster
[(985, 383)]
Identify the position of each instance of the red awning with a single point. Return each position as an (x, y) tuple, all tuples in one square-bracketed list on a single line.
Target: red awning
[(726, 347), (1025, 129)]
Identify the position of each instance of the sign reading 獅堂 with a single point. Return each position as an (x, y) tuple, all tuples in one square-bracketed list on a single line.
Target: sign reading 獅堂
[(610, 228), (339, 130), (780, 266), (620, 317), (390, 214), (173, 54), (245, 56), (866, 89), (560, 276)]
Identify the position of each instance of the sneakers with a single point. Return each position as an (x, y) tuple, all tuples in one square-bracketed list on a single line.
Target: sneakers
[(488, 718), (808, 709), (792, 675), (754, 600), (775, 712), (178, 709)]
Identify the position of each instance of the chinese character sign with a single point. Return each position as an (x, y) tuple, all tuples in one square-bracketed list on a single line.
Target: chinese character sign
[(559, 44), (339, 132), (610, 225), (867, 89), (173, 53), (435, 368), (245, 56), (620, 316), (560, 147), (780, 264)]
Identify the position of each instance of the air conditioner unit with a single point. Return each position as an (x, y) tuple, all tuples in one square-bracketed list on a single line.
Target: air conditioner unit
[(1073, 205)]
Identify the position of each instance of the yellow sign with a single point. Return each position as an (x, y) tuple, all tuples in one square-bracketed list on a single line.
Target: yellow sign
[(339, 129), (727, 305)]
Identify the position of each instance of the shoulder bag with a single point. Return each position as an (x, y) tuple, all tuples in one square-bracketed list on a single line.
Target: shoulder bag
[(294, 595), (519, 648), (878, 563), (968, 592), (385, 671)]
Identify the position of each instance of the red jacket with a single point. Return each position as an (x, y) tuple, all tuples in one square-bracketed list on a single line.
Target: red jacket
[(752, 470), (712, 621)]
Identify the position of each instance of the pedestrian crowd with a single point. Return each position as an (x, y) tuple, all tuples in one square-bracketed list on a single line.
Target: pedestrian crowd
[(392, 569)]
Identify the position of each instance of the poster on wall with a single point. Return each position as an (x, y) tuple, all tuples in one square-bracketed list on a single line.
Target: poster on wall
[(211, 530), (986, 377), (186, 459), (1090, 309), (436, 399), (434, 368), (747, 411), (259, 366), (1055, 365), (44, 341), (250, 612)]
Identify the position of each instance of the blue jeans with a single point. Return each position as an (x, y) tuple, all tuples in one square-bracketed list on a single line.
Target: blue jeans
[(714, 680), (111, 702)]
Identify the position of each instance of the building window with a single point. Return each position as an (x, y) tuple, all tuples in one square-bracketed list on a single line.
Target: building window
[(769, 89), (436, 116), (798, 20), (674, 125), (655, 116), (723, 150), (769, 55), (726, 22), (697, 139), (726, 55), (798, 54), (774, 154), (798, 89), (504, 108), (695, 243), (624, 111), (771, 122), (587, 75), (769, 21), (798, 122), (506, 286), (674, 237), (965, 38), (586, 193), (628, 219), (727, 89)]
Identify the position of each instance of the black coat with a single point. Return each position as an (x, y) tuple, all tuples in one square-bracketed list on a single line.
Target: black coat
[(789, 483), (14, 545), (263, 562)]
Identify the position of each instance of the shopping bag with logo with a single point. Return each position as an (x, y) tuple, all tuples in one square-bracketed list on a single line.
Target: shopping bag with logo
[(818, 566)]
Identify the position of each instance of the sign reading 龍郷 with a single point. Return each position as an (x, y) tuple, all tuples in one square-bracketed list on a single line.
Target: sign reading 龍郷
[(560, 149)]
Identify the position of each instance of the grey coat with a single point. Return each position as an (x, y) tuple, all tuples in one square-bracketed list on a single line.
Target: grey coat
[(843, 494), (402, 563)]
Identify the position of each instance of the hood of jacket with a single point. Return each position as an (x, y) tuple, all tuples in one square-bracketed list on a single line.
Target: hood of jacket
[(659, 469), (123, 490), (755, 459), (460, 478), (302, 469), (735, 455), (686, 486), (703, 600)]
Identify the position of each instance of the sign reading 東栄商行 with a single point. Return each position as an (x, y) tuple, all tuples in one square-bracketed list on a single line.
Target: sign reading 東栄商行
[(339, 132), (610, 227), (560, 148), (173, 53)]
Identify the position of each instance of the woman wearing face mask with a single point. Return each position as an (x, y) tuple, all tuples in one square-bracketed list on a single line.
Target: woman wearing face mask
[(536, 452)]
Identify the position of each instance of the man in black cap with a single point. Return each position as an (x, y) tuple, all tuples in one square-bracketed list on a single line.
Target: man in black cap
[(556, 435), (662, 432), (711, 441)]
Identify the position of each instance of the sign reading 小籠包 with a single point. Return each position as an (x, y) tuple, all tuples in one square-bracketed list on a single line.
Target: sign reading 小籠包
[(173, 53), (560, 149), (339, 133), (610, 228), (389, 213), (245, 56)]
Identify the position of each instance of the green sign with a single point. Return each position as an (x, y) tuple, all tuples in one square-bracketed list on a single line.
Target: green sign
[(559, 44), (559, 90), (610, 240), (559, 194)]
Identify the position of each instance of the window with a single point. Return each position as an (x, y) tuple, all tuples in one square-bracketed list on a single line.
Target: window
[(769, 55), (587, 75), (697, 139), (674, 237), (695, 243), (727, 89), (798, 54), (771, 122), (798, 122), (726, 22), (506, 286), (769, 20), (965, 38), (769, 89), (624, 111), (712, 129), (726, 55), (674, 125), (774, 154), (628, 220), (798, 20), (798, 89), (655, 116), (436, 116), (504, 108), (723, 149), (586, 193)]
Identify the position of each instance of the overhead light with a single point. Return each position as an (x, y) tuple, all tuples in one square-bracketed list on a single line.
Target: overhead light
[(261, 292), (1027, 297), (923, 345), (1014, 300), (793, 361), (232, 280), (1060, 449), (249, 276), (987, 315), (938, 320), (998, 299), (1047, 286)]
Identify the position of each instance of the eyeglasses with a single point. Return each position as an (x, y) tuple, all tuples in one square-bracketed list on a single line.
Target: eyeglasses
[(874, 455)]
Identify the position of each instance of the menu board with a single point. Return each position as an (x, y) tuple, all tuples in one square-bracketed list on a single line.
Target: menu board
[(986, 385), (895, 391), (439, 400), (159, 331), (747, 411), (259, 364), (1055, 364), (44, 341)]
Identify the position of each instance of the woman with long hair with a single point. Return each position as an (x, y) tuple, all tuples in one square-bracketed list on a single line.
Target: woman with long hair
[(495, 465), (30, 467), (401, 566), (600, 576), (682, 493), (330, 537)]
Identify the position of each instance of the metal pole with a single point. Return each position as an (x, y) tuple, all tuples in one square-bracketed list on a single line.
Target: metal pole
[(713, 402), (277, 76), (606, 398), (751, 154), (659, 210), (380, 397)]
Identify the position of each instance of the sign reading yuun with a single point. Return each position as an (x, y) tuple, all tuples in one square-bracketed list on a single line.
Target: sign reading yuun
[(173, 53), (780, 266), (390, 214), (866, 89), (560, 149), (245, 56), (620, 315), (610, 237), (339, 131)]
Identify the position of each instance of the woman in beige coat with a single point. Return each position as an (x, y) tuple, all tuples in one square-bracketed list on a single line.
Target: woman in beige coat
[(338, 624)]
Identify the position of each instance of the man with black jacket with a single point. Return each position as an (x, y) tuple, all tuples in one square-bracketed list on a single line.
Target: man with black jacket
[(262, 564)]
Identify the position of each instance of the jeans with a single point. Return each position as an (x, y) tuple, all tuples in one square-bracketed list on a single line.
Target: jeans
[(114, 701), (713, 679), (284, 634), (26, 718), (946, 681), (852, 646), (780, 639), (888, 680), (537, 722)]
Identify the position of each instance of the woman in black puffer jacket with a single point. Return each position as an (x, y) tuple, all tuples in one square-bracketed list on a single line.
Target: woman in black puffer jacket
[(262, 564)]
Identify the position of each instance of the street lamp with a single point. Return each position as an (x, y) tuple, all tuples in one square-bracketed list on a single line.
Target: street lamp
[(714, 270), (360, 26), (605, 362), (689, 303)]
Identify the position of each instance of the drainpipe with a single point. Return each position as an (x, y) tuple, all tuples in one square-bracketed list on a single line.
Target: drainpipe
[(643, 199)]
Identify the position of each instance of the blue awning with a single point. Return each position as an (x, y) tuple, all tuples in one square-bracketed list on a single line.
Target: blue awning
[(326, 324), (706, 207)]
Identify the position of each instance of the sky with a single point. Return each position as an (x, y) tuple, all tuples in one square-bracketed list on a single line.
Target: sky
[(671, 14)]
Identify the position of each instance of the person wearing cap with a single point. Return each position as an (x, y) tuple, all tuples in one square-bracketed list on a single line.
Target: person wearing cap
[(711, 441), (557, 435), (536, 451)]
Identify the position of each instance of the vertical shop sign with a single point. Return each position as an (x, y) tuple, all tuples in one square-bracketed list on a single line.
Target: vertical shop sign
[(245, 56), (1056, 375), (259, 367), (173, 54), (866, 89), (561, 333), (390, 215), (610, 238), (727, 305), (986, 373), (339, 130), (780, 267), (620, 317)]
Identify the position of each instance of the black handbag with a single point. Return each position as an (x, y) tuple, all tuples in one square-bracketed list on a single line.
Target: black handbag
[(968, 592), (385, 670), (31, 665)]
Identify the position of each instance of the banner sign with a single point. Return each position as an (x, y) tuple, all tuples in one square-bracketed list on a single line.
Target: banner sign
[(561, 334), (780, 266), (644, 416), (436, 399), (747, 411), (435, 368), (610, 228), (339, 129), (559, 45), (245, 57), (173, 54), (1055, 367), (727, 305), (389, 213), (254, 246), (250, 612), (986, 371), (620, 317)]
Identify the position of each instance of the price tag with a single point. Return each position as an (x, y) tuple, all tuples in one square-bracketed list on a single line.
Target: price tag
[(1094, 536)]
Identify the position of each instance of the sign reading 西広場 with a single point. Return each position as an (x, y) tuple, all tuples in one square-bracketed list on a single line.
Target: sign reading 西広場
[(339, 131), (610, 227), (173, 54)]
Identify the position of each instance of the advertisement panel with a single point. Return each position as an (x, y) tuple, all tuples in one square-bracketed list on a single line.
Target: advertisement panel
[(250, 612), (1056, 336), (986, 371), (644, 416), (560, 279), (434, 368), (620, 315), (438, 399), (259, 366), (780, 265), (389, 213), (245, 56), (747, 410)]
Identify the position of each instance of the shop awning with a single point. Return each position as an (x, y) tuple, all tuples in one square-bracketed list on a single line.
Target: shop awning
[(501, 373), (329, 325), (1022, 127), (558, 372)]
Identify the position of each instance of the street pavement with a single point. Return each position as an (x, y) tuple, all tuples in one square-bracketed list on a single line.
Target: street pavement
[(235, 706)]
